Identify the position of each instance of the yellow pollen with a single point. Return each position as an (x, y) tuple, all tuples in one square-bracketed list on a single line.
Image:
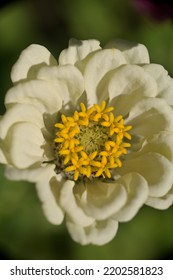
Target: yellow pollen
[(90, 143)]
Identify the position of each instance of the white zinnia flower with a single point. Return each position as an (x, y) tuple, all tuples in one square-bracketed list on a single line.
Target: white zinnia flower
[(94, 132)]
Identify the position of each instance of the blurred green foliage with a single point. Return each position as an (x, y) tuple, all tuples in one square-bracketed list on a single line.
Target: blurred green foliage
[(24, 231)]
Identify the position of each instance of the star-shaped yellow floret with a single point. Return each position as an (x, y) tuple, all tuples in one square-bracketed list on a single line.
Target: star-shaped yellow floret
[(91, 141)]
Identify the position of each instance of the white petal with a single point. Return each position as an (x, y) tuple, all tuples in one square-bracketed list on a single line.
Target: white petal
[(101, 200), (68, 77), (164, 81), (161, 203), (18, 114), (98, 65), (99, 233), (125, 86), (134, 53), (52, 210), (73, 211), (161, 143), (77, 51), (31, 174), (137, 193), (23, 142), (150, 116), (44, 95), (156, 170), (30, 60)]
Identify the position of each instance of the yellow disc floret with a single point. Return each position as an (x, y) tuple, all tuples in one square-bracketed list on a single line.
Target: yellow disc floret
[(90, 143)]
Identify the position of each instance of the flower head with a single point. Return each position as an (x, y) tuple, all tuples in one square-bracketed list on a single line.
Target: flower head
[(94, 131), (90, 142)]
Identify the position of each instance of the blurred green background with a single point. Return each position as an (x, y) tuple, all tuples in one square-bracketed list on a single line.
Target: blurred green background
[(24, 231)]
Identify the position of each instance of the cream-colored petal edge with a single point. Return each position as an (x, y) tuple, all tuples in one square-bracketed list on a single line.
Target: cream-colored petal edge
[(164, 81), (149, 116), (101, 200), (18, 114), (125, 86), (69, 79), (71, 208), (33, 56), (160, 143), (161, 203), (137, 194), (155, 168), (52, 210), (78, 50), (100, 63), (134, 53), (24, 144), (44, 95), (33, 174), (99, 233)]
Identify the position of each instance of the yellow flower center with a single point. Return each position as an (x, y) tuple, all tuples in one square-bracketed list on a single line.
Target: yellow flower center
[(90, 143)]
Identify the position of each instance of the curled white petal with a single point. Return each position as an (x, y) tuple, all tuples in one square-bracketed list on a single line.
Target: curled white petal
[(23, 143), (137, 194), (44, 95), (111, 59), (150, 116), (18, 114), (125, 86), (160, 143), (78, 50), (101, 200), (164, 81), (155, 168), (134, 53), (30, 60), (162, 202), (52, 210), (98, 233), (68, 203), (32, 174), (69, 78)]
